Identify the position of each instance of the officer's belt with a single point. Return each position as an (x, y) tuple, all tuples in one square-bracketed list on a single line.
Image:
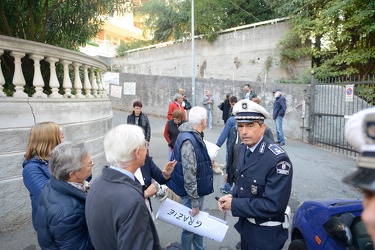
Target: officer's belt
[(265, 224)]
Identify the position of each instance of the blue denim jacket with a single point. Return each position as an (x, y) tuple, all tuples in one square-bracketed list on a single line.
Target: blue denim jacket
[(225, 133)]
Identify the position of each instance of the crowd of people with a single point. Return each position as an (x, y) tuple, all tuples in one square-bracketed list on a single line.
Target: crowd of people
[(114, 211)]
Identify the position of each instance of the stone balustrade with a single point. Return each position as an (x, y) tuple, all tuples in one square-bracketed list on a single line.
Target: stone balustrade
[(91, 68), (76, 101)]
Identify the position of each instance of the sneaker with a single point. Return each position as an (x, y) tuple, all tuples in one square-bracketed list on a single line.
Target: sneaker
[(282, 143), (222, 190)]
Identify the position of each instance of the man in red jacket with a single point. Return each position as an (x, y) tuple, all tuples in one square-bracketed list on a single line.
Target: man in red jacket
[(176, 104)]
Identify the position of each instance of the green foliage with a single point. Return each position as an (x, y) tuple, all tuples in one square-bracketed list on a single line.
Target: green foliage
[(365, 92), (164, 20), (167, 20), (63, 23), (124, 47), (338, 35), (67, 24)]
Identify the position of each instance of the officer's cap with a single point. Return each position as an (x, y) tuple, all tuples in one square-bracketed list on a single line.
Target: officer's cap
[(360, 133), (248, 111)]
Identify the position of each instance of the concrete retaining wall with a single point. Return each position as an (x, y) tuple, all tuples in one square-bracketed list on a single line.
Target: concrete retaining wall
[(156, 92), (250, 54)]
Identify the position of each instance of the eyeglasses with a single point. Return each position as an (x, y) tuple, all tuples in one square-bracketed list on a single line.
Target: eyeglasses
[(90, 164), (147, 144)]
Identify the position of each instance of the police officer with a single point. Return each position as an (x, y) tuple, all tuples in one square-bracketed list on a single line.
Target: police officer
[(360, 133), (264, 182)]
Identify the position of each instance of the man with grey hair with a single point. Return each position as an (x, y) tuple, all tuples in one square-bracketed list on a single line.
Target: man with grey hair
[(116, 212), (176, 104), (60, 218), (192, 177)]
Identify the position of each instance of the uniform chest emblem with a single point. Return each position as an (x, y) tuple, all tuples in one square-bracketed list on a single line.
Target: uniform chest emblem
[(254, 189), (283, 167)]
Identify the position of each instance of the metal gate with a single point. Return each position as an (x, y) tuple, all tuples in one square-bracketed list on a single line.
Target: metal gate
[(333, 101)]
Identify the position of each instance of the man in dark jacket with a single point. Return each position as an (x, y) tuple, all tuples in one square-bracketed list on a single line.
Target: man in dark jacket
[(249, 94), (279, 108), (116, 212), (192, 177)]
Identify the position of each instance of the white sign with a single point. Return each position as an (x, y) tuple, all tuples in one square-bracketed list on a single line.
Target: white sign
[(203, 224), (116, 91), (349, 92), (212, 149), (111, 78), (129, 88)]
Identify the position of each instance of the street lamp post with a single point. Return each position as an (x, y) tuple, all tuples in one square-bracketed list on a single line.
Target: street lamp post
[(192, 55)]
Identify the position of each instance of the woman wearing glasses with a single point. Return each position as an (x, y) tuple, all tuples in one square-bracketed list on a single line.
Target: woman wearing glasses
[(60, 218)]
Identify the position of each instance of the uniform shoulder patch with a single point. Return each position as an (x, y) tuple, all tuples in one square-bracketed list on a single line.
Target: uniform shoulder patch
[(283, 167), (276, 149)]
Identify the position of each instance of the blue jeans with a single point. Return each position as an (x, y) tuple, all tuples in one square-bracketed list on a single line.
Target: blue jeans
[(188, 238), (209, 113), (279, 129)]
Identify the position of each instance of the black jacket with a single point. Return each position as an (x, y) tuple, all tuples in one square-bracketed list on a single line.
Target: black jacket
[(143, 123)]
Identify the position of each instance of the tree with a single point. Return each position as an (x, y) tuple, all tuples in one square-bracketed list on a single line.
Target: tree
[(167, 20), (164, 20), (63, 23), (338, 35)]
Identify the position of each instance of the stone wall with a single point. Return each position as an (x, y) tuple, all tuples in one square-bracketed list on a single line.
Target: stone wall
[(250, 54), (156, 92), (81, 120)]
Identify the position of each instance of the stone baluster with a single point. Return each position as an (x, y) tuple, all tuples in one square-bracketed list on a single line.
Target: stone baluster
[(38, 79), (53, 81), (2, 79), (67, 83), (104, 94), (100, 85), (18, 78), (86, 82), (77, 80), (94, 84)]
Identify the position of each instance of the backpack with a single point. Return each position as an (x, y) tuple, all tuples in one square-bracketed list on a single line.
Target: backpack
[(187, 105)]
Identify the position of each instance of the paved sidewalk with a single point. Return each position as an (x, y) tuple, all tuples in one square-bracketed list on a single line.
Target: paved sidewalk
[(317, 174)]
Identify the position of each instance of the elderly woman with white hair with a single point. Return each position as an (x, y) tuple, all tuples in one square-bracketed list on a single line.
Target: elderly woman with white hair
[(60, 218), (116, 212)]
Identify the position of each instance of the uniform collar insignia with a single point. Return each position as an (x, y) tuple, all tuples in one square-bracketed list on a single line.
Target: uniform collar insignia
[(262, 147)]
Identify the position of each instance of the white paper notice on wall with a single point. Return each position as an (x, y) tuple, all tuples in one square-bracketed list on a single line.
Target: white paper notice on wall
[(203, 224), (212, 149), (116, 91)]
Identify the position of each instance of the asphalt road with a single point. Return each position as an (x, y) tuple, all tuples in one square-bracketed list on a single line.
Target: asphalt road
[(317, 174)]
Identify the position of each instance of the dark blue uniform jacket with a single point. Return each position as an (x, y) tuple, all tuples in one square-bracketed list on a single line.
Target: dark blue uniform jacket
[(262, 192)]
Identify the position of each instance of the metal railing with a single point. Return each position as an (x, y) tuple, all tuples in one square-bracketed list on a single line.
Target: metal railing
[(333, 101)]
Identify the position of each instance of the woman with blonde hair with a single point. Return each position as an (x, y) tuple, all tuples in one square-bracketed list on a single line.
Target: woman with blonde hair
[(44, 137)]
